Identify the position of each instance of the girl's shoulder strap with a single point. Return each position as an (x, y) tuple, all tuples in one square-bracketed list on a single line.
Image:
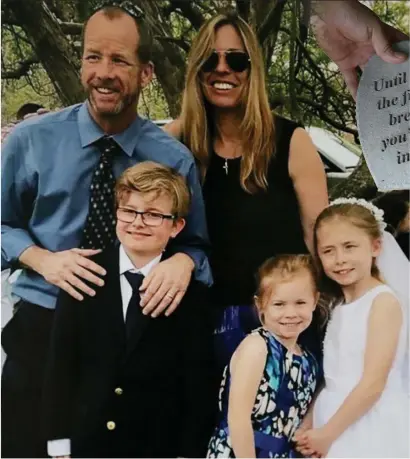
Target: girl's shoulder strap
[(275, 367), (274, 347), (313, 362)]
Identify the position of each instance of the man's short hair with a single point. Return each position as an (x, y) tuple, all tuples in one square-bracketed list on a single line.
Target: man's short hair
[(26, 109), (144, 50), (150, 177)]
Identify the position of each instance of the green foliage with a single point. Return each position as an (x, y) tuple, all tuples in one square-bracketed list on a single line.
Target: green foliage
[(153, 104), (302, 83), (34, 87)]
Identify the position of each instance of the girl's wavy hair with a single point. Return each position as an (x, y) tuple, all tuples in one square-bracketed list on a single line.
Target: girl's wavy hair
[(257, 126), (361, 218)]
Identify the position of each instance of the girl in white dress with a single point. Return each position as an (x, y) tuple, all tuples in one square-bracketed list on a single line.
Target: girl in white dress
[(363, 408)]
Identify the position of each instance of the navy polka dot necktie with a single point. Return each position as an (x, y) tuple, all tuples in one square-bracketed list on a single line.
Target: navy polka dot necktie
[(99, 230)]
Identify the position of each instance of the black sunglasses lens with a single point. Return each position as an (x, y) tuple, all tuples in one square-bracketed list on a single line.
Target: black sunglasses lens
[(211, 63), (237, 61)]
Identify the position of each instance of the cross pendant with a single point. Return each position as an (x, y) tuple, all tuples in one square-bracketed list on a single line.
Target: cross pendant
[(225, 166)]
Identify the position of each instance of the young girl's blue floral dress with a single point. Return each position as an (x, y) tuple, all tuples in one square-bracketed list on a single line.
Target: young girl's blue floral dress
[(283, 398)]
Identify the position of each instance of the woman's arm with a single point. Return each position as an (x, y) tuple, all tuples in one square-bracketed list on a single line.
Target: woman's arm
[(309, 180), (246, 367)]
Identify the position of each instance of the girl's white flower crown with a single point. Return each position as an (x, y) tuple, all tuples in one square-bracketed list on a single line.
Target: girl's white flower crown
[(377, 213)]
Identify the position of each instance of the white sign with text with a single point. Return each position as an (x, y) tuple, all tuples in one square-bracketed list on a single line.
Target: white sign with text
[(383, 118)]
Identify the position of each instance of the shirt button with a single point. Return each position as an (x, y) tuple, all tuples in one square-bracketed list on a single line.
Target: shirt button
[(111, 425), (118, 391)]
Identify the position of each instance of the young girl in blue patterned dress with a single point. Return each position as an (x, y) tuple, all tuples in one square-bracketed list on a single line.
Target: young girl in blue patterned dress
[(270, 381)]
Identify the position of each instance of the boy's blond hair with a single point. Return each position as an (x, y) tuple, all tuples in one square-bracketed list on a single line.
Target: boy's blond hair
[(150, 177)]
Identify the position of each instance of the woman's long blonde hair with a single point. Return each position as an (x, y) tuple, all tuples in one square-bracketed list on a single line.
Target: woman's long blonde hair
[(257, 127)]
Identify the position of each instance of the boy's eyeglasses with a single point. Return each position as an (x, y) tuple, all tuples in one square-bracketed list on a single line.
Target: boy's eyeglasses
[(148, 218), (127, 6), (237, 61)]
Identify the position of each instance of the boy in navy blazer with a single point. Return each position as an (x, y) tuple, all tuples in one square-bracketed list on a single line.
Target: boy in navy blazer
[(120, 383)]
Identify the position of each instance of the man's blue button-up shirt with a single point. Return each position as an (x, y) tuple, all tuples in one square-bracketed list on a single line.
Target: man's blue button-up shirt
[(47, 167)]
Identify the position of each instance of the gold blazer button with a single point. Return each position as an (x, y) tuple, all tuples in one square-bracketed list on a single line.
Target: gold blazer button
[(111, 425)]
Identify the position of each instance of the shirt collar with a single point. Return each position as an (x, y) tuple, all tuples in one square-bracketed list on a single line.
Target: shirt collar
[(127, 265), (90, 132)]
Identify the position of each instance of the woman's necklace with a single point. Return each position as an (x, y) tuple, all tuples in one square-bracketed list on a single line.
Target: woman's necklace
[(225, 166)]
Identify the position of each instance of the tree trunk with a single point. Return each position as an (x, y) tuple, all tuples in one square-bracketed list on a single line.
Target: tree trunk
[(168, 58), (357, 181), (51, 47), (171, 79)]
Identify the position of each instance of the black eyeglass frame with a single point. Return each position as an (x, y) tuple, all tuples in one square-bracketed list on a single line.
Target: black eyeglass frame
[(143, 214), (226, 54)]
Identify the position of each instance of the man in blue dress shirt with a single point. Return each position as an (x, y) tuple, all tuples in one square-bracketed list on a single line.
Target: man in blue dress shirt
[(49, 167)]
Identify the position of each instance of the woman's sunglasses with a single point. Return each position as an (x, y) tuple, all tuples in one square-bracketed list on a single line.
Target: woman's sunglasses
[(237, 61)]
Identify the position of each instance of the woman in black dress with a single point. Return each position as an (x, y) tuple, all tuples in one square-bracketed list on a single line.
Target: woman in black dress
[(264, 183)]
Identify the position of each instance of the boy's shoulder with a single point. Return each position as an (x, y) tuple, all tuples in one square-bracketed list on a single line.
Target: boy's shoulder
[(197, 291), (107, 257), (195, 302)]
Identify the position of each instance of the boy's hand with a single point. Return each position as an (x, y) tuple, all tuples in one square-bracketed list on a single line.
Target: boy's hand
[(165, 286)]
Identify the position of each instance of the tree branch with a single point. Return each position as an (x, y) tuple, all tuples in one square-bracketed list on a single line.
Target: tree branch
[(71, 28), (243, 7), (177, 41), (192, 13), (324, 116), (271, 23), (22, 69)]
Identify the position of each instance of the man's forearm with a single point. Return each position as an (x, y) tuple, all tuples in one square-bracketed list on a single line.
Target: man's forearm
[(202, 270), (34, 258)]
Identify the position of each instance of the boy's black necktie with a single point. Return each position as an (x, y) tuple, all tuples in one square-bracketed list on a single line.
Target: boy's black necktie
[(134, 311), (99, 230)]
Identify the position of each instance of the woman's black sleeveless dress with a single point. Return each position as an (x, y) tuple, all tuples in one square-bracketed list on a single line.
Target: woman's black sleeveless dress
[(246, 229)]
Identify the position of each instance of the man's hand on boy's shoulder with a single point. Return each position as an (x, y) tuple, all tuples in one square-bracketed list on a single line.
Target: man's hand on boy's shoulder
[(68, 269), (165, 286)]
